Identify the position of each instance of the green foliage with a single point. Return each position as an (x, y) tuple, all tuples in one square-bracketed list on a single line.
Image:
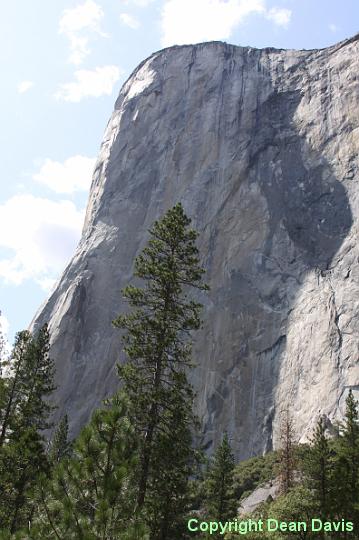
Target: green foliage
[(221, 504), (26, 383), (318, 470), (346, 466), (168, 497), (253, 472), (297, 505), (287, 453), (60, 445), (90, 495), (158, 346)]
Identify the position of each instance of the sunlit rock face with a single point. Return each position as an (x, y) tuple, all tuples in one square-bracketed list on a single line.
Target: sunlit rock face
[(261, 147)]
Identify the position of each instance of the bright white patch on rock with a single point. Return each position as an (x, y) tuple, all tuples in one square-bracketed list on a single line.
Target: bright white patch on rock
[(142, 80)]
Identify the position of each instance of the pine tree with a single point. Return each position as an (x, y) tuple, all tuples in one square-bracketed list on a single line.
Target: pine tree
[(173, 460), (27, 385), (16, 368), (60, 445), (24, 413), (318, 469), (347, 465), (157, 340), (286, 453), (221, 504), (91, 494)]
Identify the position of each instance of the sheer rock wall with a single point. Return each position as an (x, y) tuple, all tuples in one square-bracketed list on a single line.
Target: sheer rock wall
[(261, 147)]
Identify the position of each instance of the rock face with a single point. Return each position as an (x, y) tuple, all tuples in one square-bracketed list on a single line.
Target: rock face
[(261, 147)]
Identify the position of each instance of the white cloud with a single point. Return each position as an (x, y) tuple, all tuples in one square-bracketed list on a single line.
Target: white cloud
[(24, 86), (78, 24), (140, 3), (47, 284), (41, 234), (185, 21), (333, 27), (129, 20), (74, 174), (280, 16), (90, 83)]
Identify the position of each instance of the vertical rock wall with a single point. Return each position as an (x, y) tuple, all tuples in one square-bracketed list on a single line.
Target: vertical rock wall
[(261, 147)]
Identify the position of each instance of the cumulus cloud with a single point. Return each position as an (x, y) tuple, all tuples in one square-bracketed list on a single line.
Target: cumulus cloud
[(79, 24), (185, 21), (280, 16), (140, 3), (129, 20), (41, 235), (90, 83), (74, 174), (24, 86)]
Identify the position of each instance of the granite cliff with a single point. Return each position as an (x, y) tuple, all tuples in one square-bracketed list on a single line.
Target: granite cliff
[(262, 149)]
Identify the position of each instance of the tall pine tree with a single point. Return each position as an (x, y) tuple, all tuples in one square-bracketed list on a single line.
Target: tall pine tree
[(158, 345), (346, 490), (24, 413), (318, 469)]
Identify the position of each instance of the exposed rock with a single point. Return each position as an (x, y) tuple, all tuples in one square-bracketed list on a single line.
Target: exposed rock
[(269, 490), (261, 147)]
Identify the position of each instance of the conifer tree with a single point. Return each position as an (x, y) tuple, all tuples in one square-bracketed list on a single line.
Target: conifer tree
[(221, 504), (158, 342), (60, 445), (28, 383), (347, 465), (318, 468), (286, 453), (91, 494), (24, 412), (12, 383), (173, 460)]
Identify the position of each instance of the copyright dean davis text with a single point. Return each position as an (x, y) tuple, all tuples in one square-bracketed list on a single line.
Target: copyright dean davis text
[(267, 525)]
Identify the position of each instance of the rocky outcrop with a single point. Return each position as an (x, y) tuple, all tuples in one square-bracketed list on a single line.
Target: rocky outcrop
[(261, 147), (266, 492)]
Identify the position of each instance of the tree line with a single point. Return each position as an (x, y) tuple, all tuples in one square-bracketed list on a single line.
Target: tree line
[(135, 470)]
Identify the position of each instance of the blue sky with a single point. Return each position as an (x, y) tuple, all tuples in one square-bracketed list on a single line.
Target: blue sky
[(62, 64)]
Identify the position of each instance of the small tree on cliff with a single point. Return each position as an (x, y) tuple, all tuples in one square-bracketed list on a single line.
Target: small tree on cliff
[(157, 340)]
